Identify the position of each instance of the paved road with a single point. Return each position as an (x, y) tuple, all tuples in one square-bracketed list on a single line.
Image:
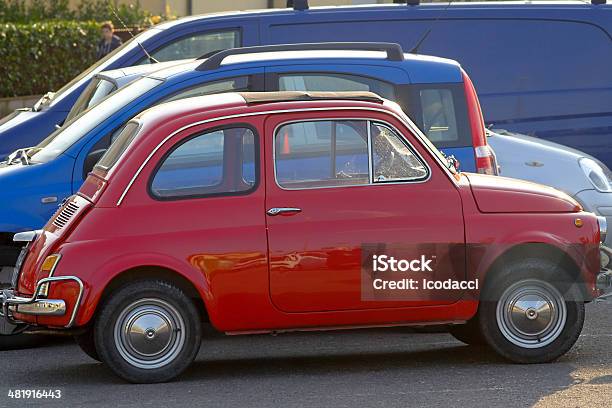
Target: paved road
[(375, 368)]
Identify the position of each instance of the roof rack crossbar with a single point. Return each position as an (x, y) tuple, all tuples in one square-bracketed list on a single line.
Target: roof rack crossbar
[(394, 51)]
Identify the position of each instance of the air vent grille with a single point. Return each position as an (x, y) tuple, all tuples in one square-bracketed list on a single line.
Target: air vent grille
[(65, 214)]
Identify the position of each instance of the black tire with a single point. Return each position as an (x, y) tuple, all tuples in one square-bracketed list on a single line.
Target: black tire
[(148, 354), (86, 342), (468, 333), (531, 312)]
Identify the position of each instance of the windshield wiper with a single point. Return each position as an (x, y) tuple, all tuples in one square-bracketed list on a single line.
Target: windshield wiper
[(20, 156), (44, 100)]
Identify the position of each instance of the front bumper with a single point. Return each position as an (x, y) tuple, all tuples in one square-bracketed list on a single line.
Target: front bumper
[(38, 306), (604, 277)]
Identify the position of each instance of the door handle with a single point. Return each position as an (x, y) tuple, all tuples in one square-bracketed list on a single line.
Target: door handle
[(283, 211)]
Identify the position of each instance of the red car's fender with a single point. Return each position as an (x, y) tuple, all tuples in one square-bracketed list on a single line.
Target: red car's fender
[(97, 277)]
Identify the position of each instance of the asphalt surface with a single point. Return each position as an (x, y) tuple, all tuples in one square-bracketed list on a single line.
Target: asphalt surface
[(366, 368)]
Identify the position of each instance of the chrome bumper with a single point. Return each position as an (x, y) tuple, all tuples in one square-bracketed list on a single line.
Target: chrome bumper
[(603, 281), (39, 306)]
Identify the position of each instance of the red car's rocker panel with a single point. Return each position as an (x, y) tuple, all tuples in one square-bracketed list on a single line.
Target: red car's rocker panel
[(258, 212)]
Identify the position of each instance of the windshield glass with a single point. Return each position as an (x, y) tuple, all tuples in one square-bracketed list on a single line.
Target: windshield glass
[(97, 90), (63, 138), (100, 66)]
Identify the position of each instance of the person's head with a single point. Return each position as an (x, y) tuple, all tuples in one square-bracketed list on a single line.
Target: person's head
[(107, 30)]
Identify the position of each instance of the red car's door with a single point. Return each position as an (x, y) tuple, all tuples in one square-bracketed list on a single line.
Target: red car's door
[(339, 191)]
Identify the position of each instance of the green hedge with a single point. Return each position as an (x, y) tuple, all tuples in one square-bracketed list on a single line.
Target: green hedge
[(33, 11), (41, 57)]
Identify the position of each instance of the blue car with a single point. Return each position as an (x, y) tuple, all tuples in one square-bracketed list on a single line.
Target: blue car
[(540, 68), (434, 91)]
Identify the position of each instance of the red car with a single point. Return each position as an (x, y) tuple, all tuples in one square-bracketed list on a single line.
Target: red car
[(264, 213)]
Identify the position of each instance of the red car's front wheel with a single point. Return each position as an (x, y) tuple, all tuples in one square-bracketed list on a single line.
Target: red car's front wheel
[(531, 311)]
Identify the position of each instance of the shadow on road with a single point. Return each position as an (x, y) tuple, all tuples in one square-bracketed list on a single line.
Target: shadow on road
[(350, 370)]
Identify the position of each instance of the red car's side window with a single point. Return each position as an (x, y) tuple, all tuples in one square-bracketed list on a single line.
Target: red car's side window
[(335, 153), (221, 161), (322, 154), (392, 158)]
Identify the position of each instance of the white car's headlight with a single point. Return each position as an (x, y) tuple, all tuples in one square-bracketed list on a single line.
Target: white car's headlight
[(596, 175)]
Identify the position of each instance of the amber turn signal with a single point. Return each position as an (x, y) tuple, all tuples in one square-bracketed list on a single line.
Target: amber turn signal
[(47, 269), (578, 222)]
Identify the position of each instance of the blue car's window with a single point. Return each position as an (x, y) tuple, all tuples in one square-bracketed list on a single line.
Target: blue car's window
[(321, 154), (97, 90), (63, 138), (216, 162), (229, 85), (196, 45), (334, 83), (440, 110), (121, 139), (439, 119)]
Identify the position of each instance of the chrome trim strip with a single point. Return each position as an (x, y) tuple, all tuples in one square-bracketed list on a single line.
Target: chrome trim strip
[(602, 222), (402, 118), (370, 151)]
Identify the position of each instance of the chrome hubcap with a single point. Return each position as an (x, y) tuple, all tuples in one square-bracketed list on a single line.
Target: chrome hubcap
[(149, 333), (531, 313)]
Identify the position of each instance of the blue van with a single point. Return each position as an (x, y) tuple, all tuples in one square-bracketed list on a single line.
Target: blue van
[(434, 91), (540, 68)]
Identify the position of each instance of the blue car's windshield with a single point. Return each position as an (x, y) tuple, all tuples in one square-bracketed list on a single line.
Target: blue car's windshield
[(63, 138)]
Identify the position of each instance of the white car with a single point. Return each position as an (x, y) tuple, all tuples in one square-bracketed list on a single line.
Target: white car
[(569, 170)]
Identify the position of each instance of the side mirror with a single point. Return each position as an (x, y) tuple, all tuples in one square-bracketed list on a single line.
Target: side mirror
[(90, 161), (452, 160)]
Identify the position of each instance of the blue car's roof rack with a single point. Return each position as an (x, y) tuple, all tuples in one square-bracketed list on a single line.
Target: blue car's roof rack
[(394, 51), (291, 96)]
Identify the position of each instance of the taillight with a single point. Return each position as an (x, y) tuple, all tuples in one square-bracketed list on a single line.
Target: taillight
[(485, 160)]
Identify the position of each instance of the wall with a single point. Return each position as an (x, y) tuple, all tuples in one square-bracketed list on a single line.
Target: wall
[(7, 105)]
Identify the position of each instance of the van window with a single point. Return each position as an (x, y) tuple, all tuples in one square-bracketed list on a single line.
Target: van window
[(196, 45), (334, 83), (213, 163)]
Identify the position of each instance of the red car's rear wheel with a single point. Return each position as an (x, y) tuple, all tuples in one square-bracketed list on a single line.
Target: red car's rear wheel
[(148, 331)]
